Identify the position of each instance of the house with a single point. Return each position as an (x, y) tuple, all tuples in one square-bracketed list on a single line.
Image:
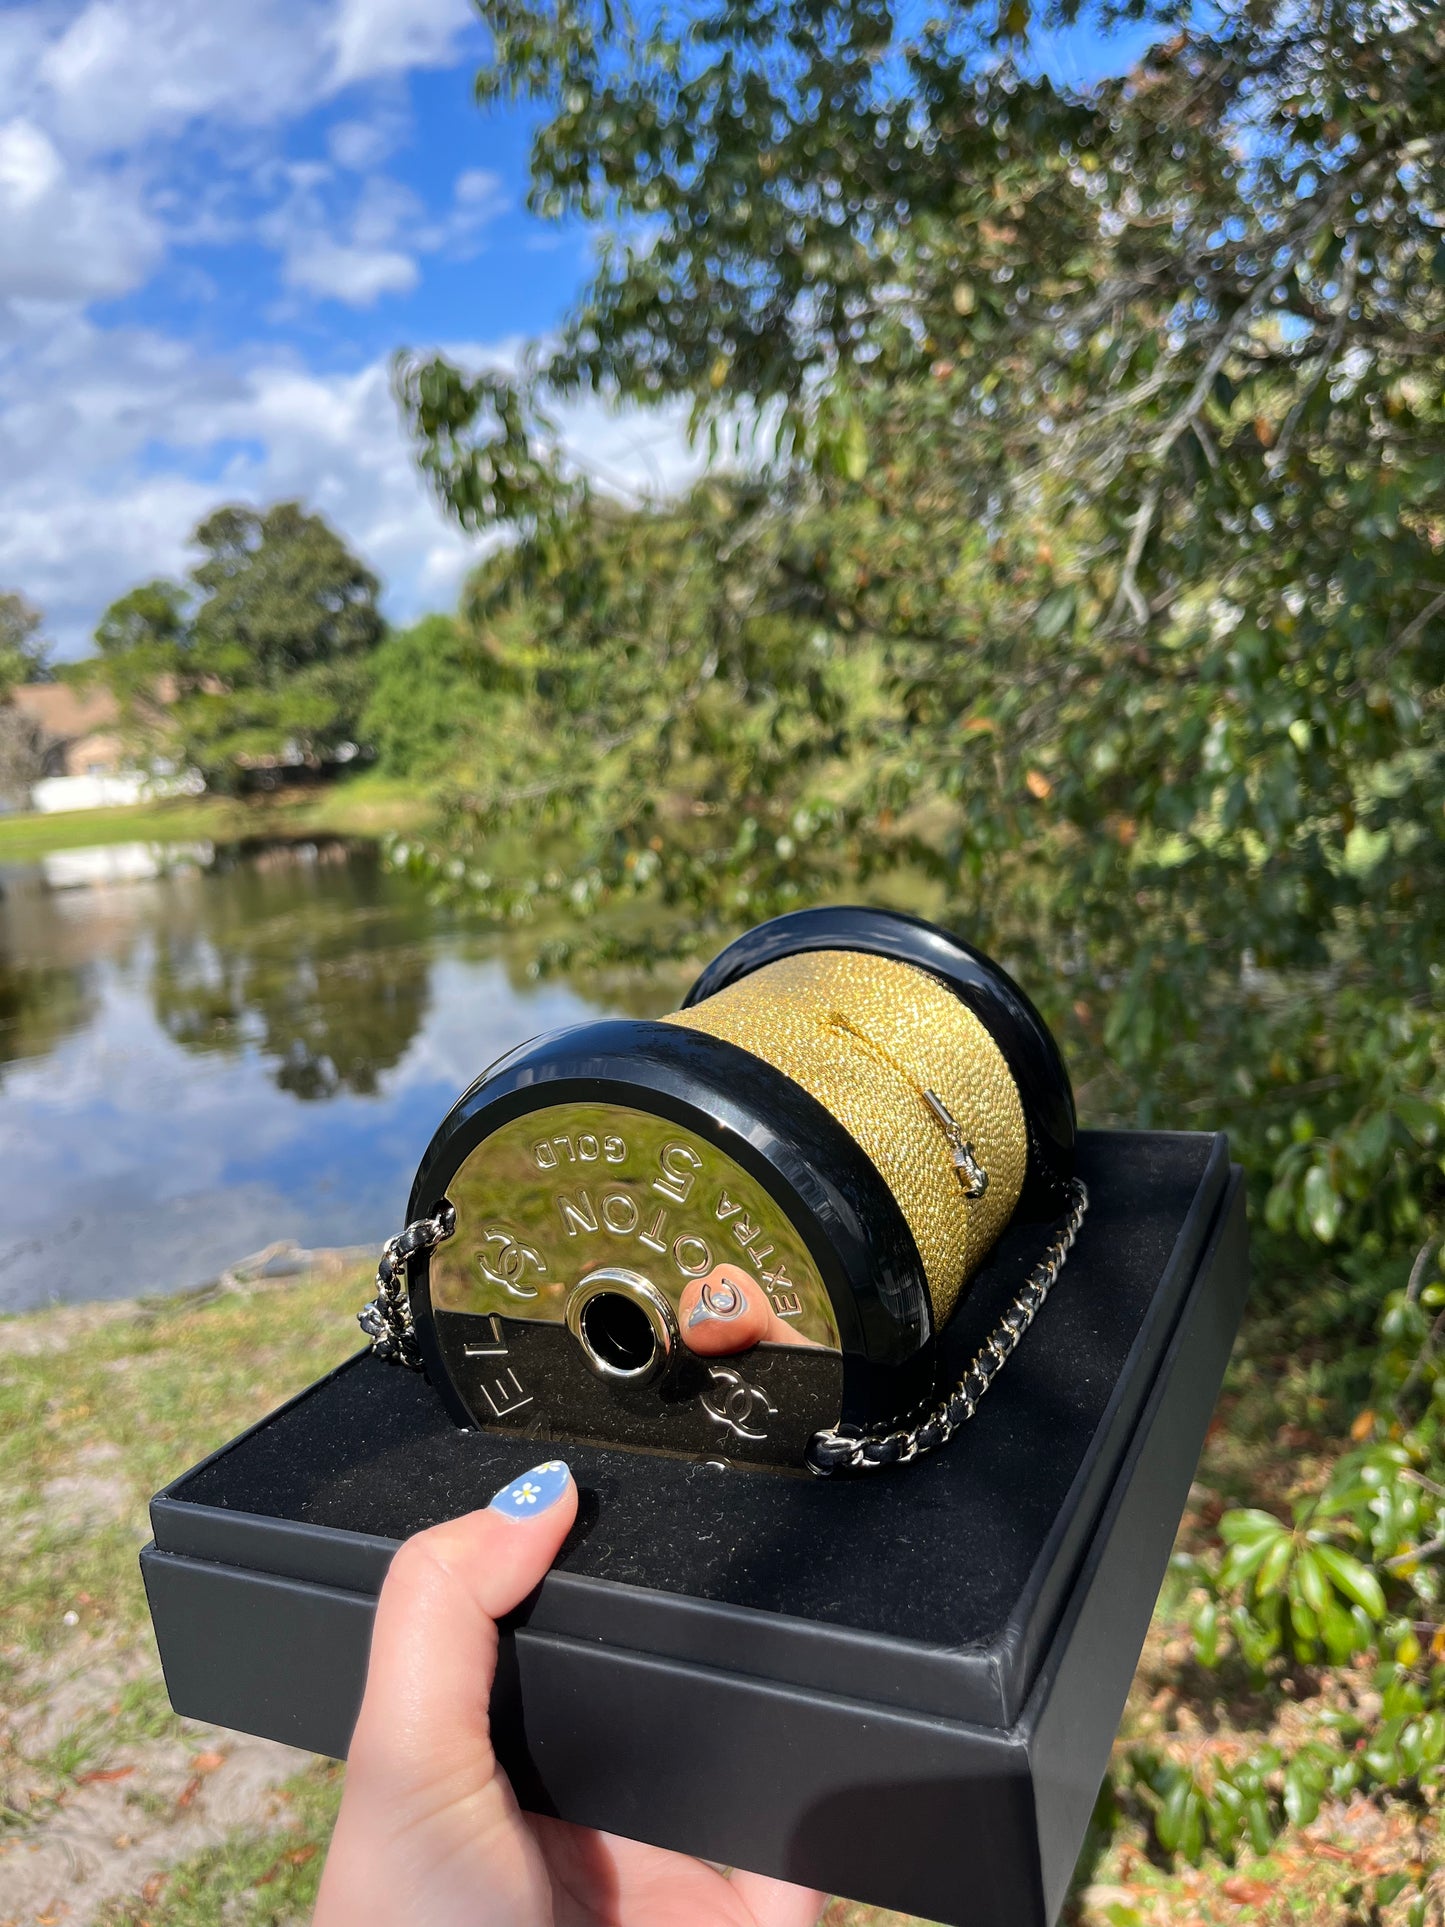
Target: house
[(81, 728), (87, 764)]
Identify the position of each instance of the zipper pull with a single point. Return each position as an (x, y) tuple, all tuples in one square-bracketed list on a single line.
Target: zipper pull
[(969, 1172)]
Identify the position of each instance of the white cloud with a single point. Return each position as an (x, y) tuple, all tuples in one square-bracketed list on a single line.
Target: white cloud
[(30, 168), (361, 145), (353, 244), (119, 441), (124, 71), (477, 200), (350, 274), (371, 37), (62, 238), (133, 129), (131, 126)]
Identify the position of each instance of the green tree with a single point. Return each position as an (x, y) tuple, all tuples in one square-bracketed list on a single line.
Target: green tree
[(285, 622), (1092, 444), (1108, 430), (24, 654), (144, 656), (262, 656), (437, 690)]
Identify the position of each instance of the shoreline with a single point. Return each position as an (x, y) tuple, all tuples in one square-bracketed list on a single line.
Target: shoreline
[(276, 1267), (365, 805)]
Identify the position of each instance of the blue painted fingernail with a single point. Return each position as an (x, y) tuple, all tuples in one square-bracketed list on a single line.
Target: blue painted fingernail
[(534, 1492)]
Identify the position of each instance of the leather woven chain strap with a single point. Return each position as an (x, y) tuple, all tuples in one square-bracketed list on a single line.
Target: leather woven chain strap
[(387, 1322), (834, 1451)]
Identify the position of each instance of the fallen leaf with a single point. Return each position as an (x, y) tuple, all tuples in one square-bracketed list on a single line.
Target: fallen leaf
[(188, 1792), (1249, 1893), (1037, 784), (1363, 1426), (207, 1762), (103, 1774)]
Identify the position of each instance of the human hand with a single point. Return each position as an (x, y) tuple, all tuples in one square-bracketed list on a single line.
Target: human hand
[(430, 1833), (729, 1311)]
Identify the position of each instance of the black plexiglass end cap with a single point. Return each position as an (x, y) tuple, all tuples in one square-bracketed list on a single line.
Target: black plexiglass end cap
[(983, 985), (771, 1127)]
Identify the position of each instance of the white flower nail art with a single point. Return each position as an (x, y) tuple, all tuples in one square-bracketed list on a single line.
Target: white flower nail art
[(534, 1491)]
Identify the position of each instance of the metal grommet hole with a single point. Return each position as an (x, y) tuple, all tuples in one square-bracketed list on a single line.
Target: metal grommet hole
[(624, 1325), (617, 1333)]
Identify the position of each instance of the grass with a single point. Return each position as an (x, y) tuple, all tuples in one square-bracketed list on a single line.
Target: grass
[(363, 805), (247, 1879), (100, 1406)]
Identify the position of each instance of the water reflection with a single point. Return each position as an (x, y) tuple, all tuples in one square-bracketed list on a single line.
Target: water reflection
[(40, 1004), (315, 980), (202, 1053)]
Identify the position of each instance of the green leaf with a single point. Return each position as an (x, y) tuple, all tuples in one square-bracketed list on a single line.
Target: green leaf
[(1354, 1579), (1258, 1640), (1056, 611), (1260, 1821), (1308, 1579), (1247, 1524), (1420, 1116), (1323, 1206), (1274, 1569), (1305, 1626), (1303, 1790), (1180, 1822), (854, 450), (1337, 1628)]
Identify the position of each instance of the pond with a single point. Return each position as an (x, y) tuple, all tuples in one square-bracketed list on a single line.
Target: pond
[(204, 1052)]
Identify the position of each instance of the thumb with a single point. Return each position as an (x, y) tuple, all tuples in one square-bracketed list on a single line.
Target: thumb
[(424, 1731)]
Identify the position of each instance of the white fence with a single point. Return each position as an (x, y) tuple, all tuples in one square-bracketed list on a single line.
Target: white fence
[(55, 793)]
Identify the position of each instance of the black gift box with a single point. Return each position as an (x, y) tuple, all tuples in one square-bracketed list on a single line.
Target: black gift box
[(900, 1686)]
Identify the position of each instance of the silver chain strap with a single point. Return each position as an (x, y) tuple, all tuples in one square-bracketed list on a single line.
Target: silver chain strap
[(387, 1320), (831, 1451)]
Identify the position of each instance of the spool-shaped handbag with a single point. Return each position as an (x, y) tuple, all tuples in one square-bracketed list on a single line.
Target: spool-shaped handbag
[(737, 1232)]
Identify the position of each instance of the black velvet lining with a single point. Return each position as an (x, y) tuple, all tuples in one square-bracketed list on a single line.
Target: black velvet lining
[(966, 1552)]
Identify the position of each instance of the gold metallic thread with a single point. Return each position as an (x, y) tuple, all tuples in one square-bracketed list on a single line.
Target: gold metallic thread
[(867, 1036)]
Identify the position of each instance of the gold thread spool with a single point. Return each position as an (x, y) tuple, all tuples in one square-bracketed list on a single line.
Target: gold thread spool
[(867, 1037)]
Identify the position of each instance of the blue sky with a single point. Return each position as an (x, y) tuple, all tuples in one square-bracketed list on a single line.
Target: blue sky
[(392, 212), (216, 225)]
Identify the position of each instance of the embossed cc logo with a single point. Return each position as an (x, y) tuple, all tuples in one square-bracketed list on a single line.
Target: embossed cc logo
[(508, 1269), (733, 1402)]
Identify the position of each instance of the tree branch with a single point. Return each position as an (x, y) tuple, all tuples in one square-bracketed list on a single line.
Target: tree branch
[(1407, 635)]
